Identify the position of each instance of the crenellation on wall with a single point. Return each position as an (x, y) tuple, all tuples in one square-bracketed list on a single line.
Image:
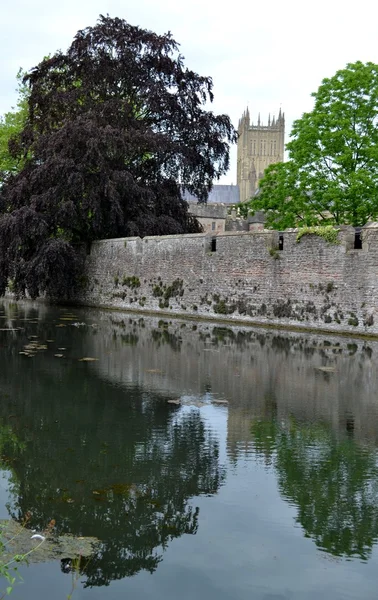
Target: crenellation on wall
[(244, 276)]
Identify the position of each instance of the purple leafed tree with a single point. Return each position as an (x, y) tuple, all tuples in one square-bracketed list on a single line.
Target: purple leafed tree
[(117, 127)]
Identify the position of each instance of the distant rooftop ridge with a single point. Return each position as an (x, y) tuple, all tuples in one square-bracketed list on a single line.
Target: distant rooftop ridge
[(220, 194)]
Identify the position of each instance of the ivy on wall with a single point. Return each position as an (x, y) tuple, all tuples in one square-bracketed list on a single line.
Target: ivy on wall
[(327, 232)]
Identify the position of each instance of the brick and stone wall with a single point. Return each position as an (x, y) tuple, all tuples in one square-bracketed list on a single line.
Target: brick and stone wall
[(211, 216), (242, 276)]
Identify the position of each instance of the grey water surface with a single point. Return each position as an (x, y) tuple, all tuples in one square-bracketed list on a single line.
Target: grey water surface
[(261, 483)]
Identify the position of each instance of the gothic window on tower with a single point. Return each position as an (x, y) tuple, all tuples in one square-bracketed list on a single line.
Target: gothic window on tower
[(275, 146)]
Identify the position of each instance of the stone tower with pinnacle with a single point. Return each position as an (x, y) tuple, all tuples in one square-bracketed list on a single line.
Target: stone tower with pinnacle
[(258, 147)]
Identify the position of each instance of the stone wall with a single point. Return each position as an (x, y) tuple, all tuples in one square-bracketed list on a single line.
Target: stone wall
[(241, 276), (235, 222), (211, 216)]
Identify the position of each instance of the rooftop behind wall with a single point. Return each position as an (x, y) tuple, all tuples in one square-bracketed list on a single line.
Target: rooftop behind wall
[(210, 211), (220, 194)]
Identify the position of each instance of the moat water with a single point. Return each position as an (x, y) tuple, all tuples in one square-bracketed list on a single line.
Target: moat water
[(259, 481)]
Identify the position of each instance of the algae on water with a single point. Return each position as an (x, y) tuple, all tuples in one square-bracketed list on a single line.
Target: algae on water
[(18, 540)]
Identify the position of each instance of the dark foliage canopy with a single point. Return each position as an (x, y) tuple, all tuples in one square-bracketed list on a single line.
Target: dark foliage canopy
[(116, 128)]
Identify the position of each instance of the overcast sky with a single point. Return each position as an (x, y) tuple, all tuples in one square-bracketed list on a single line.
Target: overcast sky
[(265, 54)]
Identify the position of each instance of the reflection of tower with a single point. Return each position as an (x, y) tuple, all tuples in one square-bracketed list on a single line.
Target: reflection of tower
[(239, 434), (240, 438), (258, 147)]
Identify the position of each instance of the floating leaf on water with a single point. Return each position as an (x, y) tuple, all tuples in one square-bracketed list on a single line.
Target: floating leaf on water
[(50, 341), (194, 402), (99, 495), (61, 325), (154, 371), (59, 355), (177, 402), (219, 401), (326, 369), (87, 359), (122, 489), (35, 346), (62, 348), (155, 503)]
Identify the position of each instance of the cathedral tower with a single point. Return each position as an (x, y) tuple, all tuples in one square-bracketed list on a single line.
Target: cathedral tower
[(258, 147)]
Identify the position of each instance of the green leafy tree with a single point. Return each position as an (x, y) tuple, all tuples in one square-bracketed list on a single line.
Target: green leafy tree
[(332, 482), (11, 126), (116, 127), (331, 176)]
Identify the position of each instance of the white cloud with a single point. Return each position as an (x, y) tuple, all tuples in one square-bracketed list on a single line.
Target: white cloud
[(270, 55)]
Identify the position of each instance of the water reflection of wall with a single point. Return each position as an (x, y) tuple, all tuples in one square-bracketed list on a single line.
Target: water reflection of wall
[(120, 465), (304, 405), (312, 378)]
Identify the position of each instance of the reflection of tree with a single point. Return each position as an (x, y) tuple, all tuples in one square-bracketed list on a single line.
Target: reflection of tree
[(10, 445), (333, 483), (119, 464)]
